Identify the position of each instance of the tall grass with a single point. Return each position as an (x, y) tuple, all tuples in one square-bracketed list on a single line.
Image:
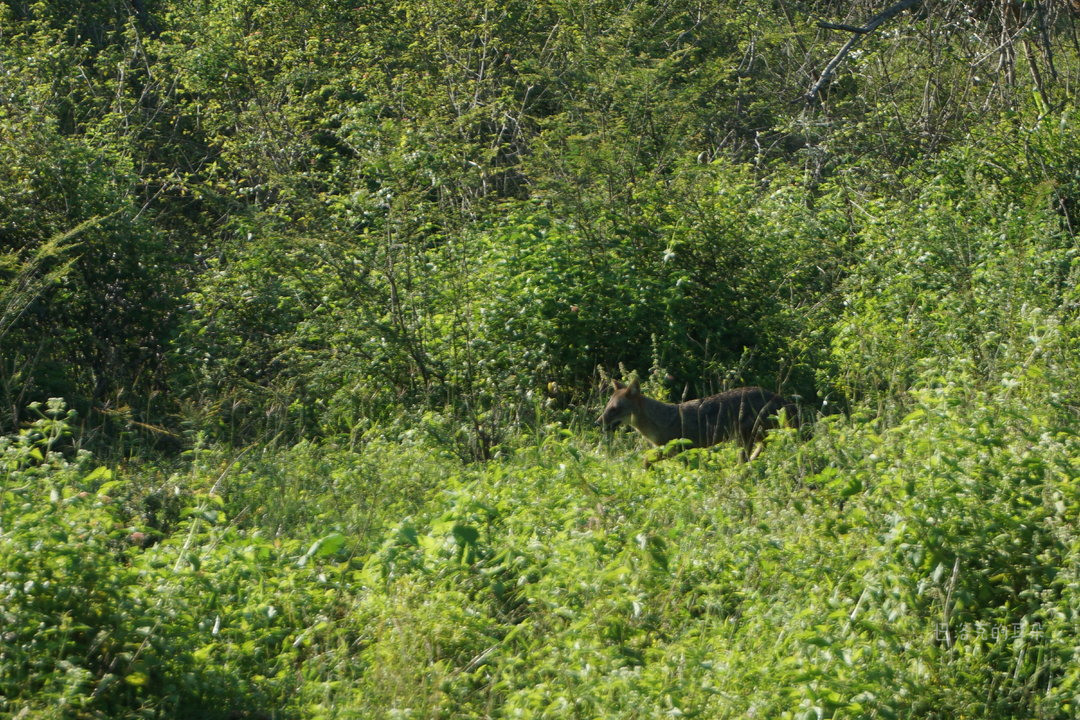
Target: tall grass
[(924, 569)]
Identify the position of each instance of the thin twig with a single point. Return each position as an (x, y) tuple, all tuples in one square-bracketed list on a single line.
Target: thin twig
[(839, 26)]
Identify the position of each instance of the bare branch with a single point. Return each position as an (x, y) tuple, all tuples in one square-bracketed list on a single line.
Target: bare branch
[(858, 34), (838, 26)]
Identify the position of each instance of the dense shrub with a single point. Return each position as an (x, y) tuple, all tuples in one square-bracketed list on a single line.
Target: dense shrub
[(967, 266), (926, 568), (331, 286)]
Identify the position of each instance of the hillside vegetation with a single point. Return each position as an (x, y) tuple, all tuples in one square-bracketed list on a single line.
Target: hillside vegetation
[(307, 308)]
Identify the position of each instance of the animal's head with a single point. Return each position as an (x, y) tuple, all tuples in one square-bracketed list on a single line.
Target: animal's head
[(622, 404)]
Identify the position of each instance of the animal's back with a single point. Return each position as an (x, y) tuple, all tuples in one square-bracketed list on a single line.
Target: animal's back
[(743, 414)]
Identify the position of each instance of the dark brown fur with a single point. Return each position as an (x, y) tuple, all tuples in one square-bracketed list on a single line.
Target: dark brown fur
[(741, 415)]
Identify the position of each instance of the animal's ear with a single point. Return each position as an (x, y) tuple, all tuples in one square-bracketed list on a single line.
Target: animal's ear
[(634, 388), (616, 385)]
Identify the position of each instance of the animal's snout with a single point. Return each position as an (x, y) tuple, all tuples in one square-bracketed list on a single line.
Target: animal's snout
[(604, 424)]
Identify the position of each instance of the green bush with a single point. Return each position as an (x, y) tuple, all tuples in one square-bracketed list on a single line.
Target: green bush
[(965, 267)]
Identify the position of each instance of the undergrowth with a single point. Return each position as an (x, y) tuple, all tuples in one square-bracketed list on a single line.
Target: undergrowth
[(924, 569)]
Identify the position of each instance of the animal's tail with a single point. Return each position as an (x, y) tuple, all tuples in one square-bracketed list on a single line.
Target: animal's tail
[(791, 411)]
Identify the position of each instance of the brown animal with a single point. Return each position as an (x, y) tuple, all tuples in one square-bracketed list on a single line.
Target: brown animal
[(742, 415)]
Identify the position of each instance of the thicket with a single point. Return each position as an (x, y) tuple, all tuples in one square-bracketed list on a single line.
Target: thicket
[(296, 219), (329, 289)]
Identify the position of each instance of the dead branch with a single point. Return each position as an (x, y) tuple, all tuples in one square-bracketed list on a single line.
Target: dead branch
[(858, 33), (839, 26)]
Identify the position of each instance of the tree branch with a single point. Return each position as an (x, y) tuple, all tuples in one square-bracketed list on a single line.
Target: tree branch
[(858, 34), (839, 26)]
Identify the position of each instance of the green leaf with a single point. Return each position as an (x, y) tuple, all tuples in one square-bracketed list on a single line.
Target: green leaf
[(327, 545), (101, 472), (138, 679), (106, 488)]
